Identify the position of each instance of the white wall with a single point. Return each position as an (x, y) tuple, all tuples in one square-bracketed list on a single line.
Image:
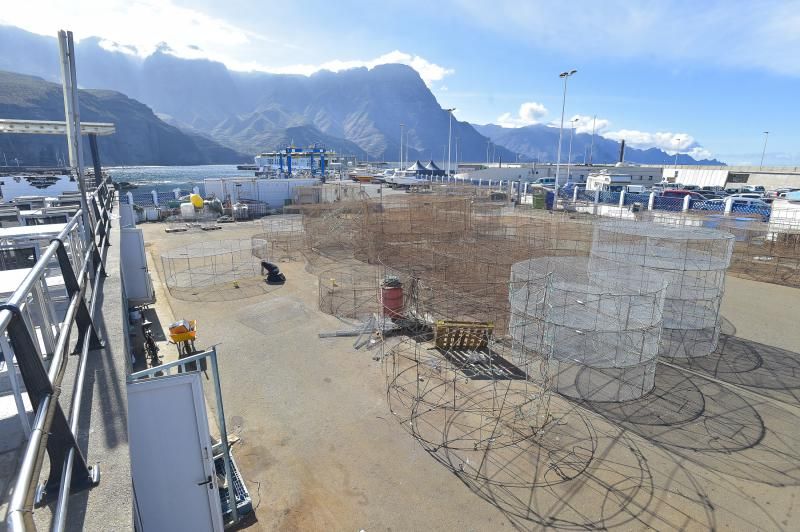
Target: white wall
[(702, 177), (274, 192)]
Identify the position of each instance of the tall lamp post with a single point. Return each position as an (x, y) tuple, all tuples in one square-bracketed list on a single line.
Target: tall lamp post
[(677, 151), (764, 151), (401, 146), (569, 157), (449, 135), (565, 75)]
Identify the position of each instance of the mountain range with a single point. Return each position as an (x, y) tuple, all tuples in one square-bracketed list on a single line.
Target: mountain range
[(141, 138), (357, 111), (539, 142)]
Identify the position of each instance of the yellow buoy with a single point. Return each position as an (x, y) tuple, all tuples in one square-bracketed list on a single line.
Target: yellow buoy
[(196, 200)]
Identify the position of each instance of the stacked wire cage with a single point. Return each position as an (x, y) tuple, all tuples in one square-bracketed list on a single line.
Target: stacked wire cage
[(693, 260), (598, 322)]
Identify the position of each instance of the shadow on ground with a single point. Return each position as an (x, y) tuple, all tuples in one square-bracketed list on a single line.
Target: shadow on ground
[(714, 426), (243, 289), (764, 369)]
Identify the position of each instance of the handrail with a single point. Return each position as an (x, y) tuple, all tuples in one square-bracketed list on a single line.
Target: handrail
[(52, 431), (181, 365)]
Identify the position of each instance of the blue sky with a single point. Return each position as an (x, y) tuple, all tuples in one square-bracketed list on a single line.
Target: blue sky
[(705, 78)]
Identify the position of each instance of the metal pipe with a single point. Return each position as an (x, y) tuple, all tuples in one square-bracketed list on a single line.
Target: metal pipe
[(20, 508), (72, 118), (224, 437), (59, 521)]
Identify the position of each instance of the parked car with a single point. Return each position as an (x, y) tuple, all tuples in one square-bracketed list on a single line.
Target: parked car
[(740, 206), (746, 195), (682, 192), (569, 187)]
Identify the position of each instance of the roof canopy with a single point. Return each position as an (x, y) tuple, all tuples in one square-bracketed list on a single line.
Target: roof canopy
[(432, 166), (416, 167)]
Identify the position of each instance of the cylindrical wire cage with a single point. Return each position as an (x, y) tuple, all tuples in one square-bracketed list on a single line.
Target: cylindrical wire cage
[(453, 380), (599, 322), (283, 238), (350, 292), (209, 263), (693, 260)]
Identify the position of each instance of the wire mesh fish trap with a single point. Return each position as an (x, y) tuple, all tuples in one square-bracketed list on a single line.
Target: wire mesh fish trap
[(599, 323), (283, 237), (210, 263), (693, 260), (350, 292)]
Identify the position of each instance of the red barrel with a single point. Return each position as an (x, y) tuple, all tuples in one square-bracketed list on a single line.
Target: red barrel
[(392, 301)]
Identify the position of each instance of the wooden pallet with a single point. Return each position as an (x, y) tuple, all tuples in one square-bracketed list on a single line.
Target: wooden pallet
[(462, 334)]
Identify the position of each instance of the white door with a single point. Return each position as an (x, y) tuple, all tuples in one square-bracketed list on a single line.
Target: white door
[(172, 465), (138, 285), (126, 216)]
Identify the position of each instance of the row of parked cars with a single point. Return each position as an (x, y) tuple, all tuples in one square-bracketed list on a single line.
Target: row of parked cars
[(746, 199)]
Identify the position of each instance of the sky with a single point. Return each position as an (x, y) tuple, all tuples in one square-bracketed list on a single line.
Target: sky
[(706, 78)]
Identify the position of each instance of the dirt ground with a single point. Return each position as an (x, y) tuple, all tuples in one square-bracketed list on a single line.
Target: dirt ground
[(714, 447)]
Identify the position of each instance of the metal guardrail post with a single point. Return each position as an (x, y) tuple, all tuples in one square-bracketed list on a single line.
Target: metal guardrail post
[(84, 320)]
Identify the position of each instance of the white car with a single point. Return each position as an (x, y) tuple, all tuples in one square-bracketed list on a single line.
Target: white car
[(746, 195)]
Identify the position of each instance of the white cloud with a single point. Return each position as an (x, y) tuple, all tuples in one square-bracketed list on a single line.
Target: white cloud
[(698, 152), (143, 24), (139, 27), (671, 143), (428, 71), (763, 35), (529, 113)]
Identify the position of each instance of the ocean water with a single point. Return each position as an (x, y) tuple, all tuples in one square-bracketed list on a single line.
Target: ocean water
[(166, 178), (14, 186)]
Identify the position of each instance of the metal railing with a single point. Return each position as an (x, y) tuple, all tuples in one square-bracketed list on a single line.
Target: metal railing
[(181, 366), (52, 430)]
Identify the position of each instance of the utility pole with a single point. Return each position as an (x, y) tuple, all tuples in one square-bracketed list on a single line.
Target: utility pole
[(764, 151), (569, 157), (565, 75), (449, 135), (401, 146), (591, 148), (73, 122)]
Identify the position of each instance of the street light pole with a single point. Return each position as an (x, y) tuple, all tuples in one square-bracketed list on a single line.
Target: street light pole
[(401, 146), (449, 135), (569, 156), (676, 156), (591, 149), (764, 151), (563, 75)]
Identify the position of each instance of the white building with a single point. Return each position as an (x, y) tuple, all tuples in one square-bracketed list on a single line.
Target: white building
[(576, 173), (731, 176), (274, 192)]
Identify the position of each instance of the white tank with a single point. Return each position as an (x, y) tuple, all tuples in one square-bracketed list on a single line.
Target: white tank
[(187, 211)]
